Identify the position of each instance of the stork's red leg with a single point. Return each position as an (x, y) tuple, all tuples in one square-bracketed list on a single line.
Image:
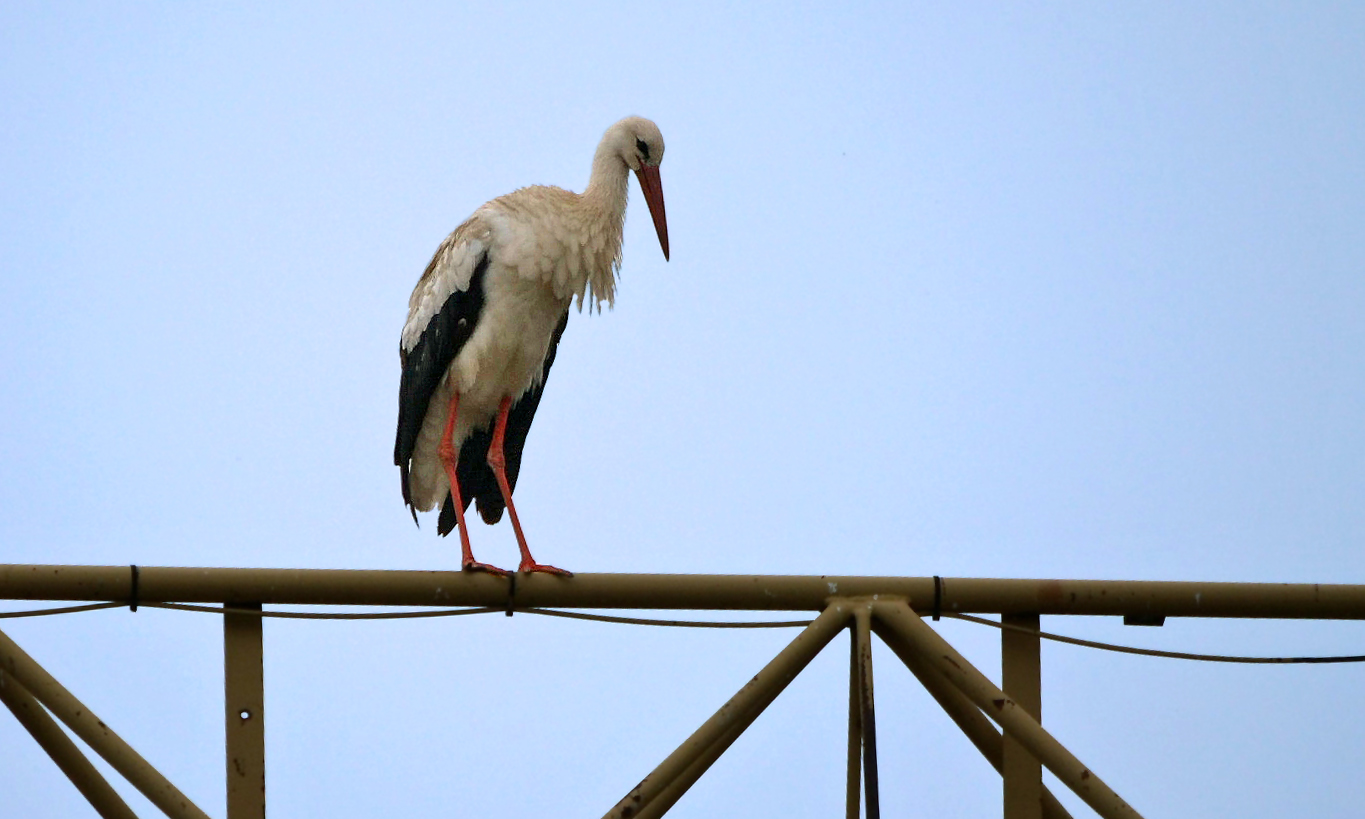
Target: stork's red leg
[(448, 457), (498, 461)]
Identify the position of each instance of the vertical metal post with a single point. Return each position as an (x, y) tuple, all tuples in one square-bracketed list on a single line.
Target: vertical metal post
[(1021, 679), (244, 699), (31, 714), (862, 625), (854, 799)]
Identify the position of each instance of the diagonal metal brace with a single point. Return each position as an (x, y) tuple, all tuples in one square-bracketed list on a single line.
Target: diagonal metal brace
[(84, 724), (685, 765), (974, 724), (48, 734), (927, 643)]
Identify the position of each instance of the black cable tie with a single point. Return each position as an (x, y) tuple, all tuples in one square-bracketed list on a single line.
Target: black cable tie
[(511, 591), (938, 597), (132, 598)]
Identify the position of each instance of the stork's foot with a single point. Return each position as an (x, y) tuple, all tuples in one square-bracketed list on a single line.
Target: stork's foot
[(529, 566), (475, 566)]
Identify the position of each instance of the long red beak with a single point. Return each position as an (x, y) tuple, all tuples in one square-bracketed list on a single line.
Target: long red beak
[(654, 197)]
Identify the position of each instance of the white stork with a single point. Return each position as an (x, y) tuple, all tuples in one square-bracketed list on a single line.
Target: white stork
[(485, 320)]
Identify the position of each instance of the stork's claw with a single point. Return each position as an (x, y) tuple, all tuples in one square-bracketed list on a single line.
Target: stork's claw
[(475, 566), (528, 566)]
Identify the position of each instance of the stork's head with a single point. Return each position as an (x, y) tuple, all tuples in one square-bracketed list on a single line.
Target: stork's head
[(640, 146)]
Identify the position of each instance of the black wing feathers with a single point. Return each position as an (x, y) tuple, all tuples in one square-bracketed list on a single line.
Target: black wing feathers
[(426, 363)]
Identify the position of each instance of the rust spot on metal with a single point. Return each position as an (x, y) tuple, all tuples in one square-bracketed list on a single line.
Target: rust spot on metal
[(999, 704), (1085, 774), (951, 662), (1051, 594)]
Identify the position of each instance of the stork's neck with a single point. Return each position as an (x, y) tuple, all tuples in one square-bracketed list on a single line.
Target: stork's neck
[(606, 189), (604, 202)]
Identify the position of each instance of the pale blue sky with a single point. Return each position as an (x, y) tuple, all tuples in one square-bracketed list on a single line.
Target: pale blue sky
[(966, 289)]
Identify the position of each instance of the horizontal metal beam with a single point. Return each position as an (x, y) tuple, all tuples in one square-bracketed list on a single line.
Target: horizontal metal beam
[(157, 584)]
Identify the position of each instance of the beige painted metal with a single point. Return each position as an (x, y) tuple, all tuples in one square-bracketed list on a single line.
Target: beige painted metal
[(84, 724), (1021, 680), (862, 631), (740, 711), (968, 697), (656, 591), (854, 778), (675, 789), (244, 701), (976, 725), (1004, 711), (51, 738)]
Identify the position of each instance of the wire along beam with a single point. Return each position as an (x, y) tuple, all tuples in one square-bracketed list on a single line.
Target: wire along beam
[(1135, 598)]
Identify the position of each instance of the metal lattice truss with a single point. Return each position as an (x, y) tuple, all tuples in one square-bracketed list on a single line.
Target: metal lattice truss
[(1001, 721)]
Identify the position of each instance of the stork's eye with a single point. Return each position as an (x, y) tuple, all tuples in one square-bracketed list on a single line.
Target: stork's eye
[(642, 148)]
